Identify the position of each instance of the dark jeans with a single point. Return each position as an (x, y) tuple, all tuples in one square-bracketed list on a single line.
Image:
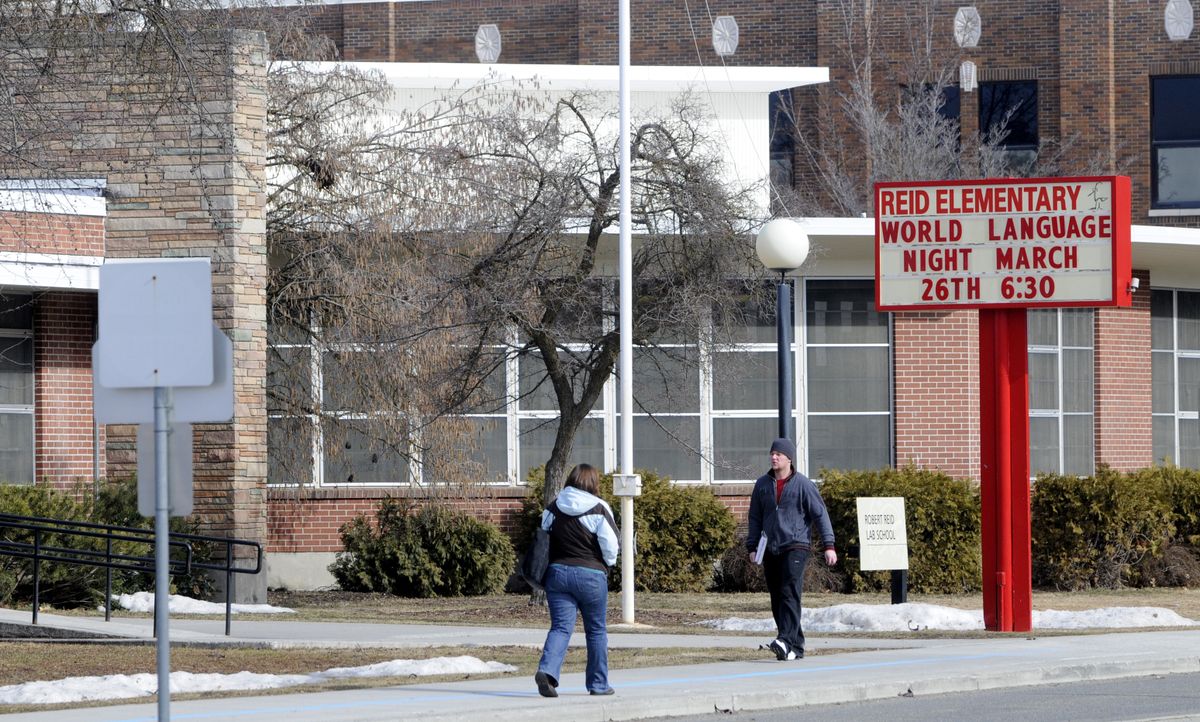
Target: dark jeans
[(785, 581)]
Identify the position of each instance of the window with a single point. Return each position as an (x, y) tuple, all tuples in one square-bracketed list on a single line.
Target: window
[(1009, 109), (1175, 376), (847, 374), (1175, 142), (782, 122), (1061, 381), (16, 389), (702, 414)]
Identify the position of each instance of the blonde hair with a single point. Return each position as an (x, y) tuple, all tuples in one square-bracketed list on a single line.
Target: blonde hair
[(585, 478)]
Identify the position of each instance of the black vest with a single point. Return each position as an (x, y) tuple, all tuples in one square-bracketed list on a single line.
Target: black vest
[(572, 544)]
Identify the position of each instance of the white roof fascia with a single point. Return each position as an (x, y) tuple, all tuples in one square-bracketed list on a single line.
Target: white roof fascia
[(713, 79), (76, 197), (50, 271)]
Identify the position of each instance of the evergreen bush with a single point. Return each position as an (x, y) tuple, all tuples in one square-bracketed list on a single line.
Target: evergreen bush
[(680, 531), (66, 585), (427, 551), (941, 520), (1095, 531)]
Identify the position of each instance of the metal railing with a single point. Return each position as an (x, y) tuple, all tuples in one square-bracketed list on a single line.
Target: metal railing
[(43, 529)]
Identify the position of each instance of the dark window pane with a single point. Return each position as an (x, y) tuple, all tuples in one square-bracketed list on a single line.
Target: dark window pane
[(1162, 320), (289, 380), (16, 448), (537, 392), (951, 98), (289, 450), (1177, 176), (1077, 327), (783, 138), (537, 441), (1162, 375), (16, 312), (1173, 115), (16, 371), (668, 445), (745, 380), (1164, 440), (1043, 381), (751, 319), (847, 379), (666, 380), (1043, 445), (844, 312), (740, 447), (1189, 443), (1042, 325), (847, 442), (1077, 445), (1010, 106), (1189, 384), (474, 448), (1078, 374), (356, 453), (1189, 321)]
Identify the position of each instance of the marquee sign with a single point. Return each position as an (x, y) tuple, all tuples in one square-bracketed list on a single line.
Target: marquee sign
[(1011, 243)]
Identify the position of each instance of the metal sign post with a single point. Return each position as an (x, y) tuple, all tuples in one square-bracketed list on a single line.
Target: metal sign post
[(160, 360), (1003, 246)]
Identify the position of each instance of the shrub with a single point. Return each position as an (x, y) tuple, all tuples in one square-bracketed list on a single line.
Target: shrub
[(1094, 531), (736, 573), (941, 520), (679, 531), (61, 585), (71, 585), (429, 551)]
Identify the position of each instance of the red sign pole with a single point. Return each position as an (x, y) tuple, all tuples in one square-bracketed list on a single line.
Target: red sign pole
[(1004, 473)]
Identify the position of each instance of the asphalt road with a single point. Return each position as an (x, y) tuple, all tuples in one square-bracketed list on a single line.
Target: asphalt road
[(1175, 697)]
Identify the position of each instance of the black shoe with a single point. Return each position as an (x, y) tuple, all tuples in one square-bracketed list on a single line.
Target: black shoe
[(545, 685), (781, 650), (608, 691)]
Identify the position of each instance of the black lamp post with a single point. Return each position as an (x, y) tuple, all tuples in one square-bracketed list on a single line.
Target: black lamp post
[(782, 246)]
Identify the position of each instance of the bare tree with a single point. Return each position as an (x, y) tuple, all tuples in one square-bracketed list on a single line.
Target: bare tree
[(482, 228), (884, 120)]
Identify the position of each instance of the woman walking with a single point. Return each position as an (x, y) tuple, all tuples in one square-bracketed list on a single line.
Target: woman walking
[(583, 544)]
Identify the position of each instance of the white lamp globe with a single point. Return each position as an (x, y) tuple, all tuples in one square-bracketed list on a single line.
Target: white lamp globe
[(782, 245)]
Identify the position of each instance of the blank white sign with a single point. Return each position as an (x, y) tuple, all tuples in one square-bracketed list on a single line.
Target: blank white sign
[(156, 319)]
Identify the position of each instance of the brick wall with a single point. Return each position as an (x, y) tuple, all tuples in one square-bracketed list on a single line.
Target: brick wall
[(62, 341), (936, 371), (1123, 437), (309, 521), (52, 233)]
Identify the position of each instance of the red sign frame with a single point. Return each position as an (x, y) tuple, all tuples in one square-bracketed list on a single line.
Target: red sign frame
[(1121, 253)]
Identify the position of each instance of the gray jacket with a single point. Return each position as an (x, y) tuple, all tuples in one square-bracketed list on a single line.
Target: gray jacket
[(790, 522)]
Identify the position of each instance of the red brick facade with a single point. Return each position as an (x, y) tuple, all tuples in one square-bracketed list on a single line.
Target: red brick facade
[(51, 233), (63, 430)]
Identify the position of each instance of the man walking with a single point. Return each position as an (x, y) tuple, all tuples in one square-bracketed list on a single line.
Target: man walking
[(785, 506)]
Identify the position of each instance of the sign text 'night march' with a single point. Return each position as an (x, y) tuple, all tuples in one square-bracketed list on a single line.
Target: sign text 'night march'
[(1008, 243)]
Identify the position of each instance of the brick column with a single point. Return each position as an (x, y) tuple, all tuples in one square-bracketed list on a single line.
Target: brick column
[(1122, 395), (936, 372), (63, 326)]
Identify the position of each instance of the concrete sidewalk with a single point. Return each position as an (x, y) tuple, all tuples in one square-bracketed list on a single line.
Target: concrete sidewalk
[(893, 667)]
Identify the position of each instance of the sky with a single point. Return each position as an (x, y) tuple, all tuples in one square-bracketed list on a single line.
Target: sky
[(912, 617)]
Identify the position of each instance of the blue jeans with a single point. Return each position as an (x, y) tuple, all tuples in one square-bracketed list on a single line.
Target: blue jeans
[(571, 590)]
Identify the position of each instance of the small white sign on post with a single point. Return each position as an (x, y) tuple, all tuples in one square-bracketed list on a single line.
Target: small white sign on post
[(179, 472), (882, 534)]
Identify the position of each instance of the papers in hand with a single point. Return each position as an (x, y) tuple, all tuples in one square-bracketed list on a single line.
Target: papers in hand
[(761, 551)]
